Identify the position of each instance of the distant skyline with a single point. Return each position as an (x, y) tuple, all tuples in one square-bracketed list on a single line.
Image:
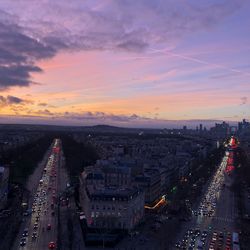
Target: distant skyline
[(123, 123), (143, 63)]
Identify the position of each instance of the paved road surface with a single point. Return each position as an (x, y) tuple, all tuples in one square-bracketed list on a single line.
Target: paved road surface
[(223, 214), (45, 195)]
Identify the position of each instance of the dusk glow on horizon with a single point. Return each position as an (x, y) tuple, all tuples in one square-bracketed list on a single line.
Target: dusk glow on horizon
[(131, 63)]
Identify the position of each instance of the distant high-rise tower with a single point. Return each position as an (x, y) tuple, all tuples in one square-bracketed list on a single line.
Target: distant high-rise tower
[(200, 127)]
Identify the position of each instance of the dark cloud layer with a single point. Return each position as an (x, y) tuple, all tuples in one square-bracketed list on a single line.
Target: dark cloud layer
[(39, 29), (11, 100), (96, 117), (92, 118), (101, 116), (18, 54)]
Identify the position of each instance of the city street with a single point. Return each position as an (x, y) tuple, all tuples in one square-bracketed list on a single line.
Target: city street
[(41, 227), (214, 220)]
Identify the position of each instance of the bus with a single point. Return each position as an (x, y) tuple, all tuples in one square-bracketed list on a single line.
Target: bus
[(235, 237)]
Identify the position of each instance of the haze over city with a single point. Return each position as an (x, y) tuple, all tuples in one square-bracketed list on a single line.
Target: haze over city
[(125, 63)]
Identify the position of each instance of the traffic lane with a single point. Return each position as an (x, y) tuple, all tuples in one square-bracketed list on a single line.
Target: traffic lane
[(48, 235), (31, 221), (214, 189), (40, 223), (220, 220), (27, 224), (225, 212), (203, 222), (19, 236), (43, 239), (35, 243), (224, 219), (193, 238), (39, 231), (51, 234), (44, 233), (31, 242), (40, 243)]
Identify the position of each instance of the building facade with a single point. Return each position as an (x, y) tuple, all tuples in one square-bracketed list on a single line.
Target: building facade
[(109, 207), (150, 181)]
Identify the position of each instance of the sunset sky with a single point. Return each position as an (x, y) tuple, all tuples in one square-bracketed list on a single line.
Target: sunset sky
[(124, 62)]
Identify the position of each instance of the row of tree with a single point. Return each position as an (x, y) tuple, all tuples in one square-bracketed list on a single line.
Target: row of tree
[(24, 159), (77, 156)]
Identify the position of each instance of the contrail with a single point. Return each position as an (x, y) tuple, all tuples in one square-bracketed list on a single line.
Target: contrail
[(193, 59)]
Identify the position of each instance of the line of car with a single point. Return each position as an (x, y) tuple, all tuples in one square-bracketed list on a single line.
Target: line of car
[(194, 238), (44, 202), (201, 240), (208, 204), (220, 240)]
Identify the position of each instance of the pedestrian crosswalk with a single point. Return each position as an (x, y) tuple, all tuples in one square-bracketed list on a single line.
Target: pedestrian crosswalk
[(223, 219)]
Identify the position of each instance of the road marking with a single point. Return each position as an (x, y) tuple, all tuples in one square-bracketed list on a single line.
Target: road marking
[(223, 219)]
